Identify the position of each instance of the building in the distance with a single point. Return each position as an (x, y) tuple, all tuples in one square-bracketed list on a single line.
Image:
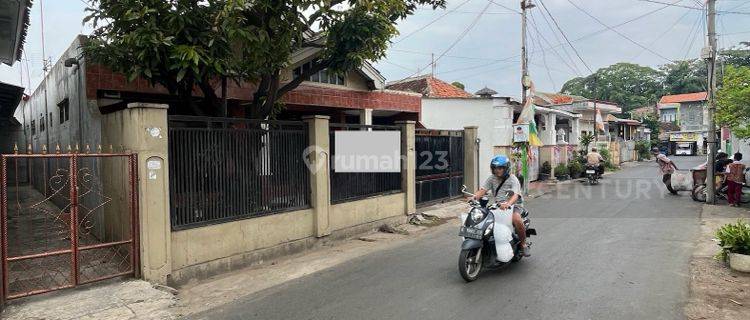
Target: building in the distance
[(687, 111)]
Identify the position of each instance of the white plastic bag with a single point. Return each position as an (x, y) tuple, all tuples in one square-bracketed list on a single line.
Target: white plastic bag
[(503, 233), (682, 181)]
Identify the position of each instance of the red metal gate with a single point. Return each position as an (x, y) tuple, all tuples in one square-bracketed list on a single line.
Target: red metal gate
[(55, 236)]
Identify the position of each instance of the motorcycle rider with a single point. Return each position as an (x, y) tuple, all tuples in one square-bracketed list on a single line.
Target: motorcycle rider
[(595, 159), (500, 182)]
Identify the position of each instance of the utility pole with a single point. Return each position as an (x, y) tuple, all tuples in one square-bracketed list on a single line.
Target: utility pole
[(432, 73), (710, 55), (525, 83), (596, 113)]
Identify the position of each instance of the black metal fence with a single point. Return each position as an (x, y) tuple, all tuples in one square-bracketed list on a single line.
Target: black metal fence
[(224, 169), (440, 164), (348, 186)]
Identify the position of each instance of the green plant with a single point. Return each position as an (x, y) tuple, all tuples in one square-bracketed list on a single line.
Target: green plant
[(585, 140), (546, 167), (643, 149), (733, 238), (575, 168), (607, 159), (561, 170)]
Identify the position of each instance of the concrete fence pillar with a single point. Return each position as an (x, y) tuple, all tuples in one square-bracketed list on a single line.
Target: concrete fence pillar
[(408, 165), (142, 128), (471, 158), (318, 157)]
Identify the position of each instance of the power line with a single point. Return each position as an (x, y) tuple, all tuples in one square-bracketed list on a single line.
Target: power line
[(455, 42), (695, 8), (504, 7), (431, 22), (565, 51), (618, 32), (663, 33), (557, 54), (566, 37)]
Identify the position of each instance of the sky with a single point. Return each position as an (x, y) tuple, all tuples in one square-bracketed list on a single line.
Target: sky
[(477, 42)]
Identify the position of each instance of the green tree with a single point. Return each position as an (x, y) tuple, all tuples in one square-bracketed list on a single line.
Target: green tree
[(733, 101), (736, 56), (176, 44), (629, 85), (684, 76), (185, 43), (458, 85)]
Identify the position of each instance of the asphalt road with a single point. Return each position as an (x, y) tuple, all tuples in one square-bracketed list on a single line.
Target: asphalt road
[(617, 250)]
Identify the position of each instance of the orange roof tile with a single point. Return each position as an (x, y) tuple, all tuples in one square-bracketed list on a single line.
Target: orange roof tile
[(430, 87), (685, 97)]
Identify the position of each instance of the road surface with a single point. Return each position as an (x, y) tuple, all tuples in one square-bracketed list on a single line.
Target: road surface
[(617, 250)]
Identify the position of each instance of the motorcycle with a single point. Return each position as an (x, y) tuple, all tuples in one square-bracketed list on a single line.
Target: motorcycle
[(489, 238), (592, 174), (699, 192)]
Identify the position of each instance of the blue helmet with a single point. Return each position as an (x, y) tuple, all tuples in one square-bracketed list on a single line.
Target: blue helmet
[(500, 161)]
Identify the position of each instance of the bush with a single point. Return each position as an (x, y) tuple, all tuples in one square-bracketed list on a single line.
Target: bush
[(733, 238), (575, 168), (561, 170), (643, 149), (546, 167), (607, 159)]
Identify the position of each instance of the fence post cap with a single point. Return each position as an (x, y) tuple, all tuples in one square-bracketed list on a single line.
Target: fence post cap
[(134, 105), (405, 122), (471, 127), (317, 116)]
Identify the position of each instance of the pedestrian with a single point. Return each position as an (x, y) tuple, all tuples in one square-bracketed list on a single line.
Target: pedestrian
[(735, 178), (666, 169)]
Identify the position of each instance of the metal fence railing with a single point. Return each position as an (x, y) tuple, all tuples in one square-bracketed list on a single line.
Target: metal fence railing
[(440, 164), (224, 169), (348, 186)]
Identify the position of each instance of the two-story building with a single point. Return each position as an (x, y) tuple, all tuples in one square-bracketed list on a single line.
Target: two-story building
[(687, 111)]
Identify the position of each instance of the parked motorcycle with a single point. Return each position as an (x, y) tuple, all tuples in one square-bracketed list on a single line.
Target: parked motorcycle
[(490, 240), (592, 174), (700, 189)]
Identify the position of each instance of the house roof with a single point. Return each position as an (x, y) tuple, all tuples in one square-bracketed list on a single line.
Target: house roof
[(611, 118), (14, 16), (10, 96), (485, 92), (685, 97), (429, 87), (550, 99), (642, 111)]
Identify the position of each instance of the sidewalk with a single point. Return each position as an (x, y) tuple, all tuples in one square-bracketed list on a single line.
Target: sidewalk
[(716, 292)]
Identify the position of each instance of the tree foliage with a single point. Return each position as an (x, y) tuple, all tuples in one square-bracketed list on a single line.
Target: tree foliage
[(458, 85), (633, 86), (733, 101), (629, 85), (182, 43)]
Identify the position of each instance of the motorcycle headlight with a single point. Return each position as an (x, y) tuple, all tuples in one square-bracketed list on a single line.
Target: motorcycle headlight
[(476, 215)]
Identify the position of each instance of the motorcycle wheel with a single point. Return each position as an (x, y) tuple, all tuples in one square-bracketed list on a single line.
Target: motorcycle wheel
[(699, 193), (470, 264), (745, 196)]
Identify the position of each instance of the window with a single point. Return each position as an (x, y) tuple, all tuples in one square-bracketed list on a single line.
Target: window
[(323, 76), (41, 122), (33, 127), (64, 110), (50, 120)]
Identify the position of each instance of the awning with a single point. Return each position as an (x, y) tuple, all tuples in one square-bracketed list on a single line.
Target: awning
[(14, 23), (10, 96)]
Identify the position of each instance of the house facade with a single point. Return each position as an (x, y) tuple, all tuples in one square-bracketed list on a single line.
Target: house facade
[(66, 108), (688, 111)]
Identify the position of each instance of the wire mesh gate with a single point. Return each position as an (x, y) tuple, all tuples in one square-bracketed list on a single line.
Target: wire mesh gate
[(440, 164), (67, 219)]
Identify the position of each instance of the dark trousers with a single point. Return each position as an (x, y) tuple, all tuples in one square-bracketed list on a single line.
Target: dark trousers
[(667, 179), (734, 192)]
